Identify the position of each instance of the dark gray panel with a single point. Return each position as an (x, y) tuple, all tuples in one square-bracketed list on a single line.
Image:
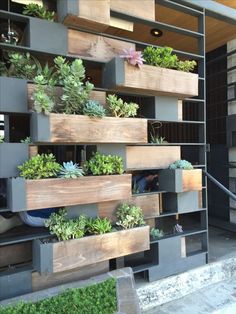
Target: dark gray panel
[(47, 36), (14, 283), (181, 202), (113, 73), (16, 194), (42, 257), (13, 95), (65, 7), (39, 128), (11, 156)]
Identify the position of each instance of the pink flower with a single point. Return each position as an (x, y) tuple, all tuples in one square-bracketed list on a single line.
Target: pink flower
[(133, 57)]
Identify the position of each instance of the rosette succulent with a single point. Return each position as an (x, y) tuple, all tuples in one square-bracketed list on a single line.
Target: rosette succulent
[(69, 170)]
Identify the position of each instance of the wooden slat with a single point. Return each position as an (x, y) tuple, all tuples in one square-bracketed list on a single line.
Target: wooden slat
[(144, 9), (149, 204), (83, 129), (85, 190), (192, 180), (154, 80), (15, 254), (96, 47), (93, 15), (151, 156), (91, 249), (94, 95), (40, 282)]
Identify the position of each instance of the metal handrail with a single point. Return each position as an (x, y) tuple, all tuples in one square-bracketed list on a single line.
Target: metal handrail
[(221, 186)]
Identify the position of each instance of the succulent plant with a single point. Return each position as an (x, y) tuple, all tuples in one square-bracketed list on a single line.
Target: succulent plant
[(26, 140), (129, 216), (98, 225), (69, 170), (178, 228), (119, 108), (132, 56), (100, 164), (181, 164), (1, 139), (156, 233), (93, 108)]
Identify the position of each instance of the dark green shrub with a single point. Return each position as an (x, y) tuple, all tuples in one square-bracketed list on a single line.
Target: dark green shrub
[(40, 167), (96, 299)]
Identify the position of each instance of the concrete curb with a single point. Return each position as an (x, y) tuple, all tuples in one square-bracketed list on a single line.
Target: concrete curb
[(171, 288)]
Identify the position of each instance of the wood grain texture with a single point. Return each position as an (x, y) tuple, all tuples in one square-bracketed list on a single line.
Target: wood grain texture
[(84, 190), (94, 95), (95, 47), (83, 129), (40, 282), (92, 249), (154, 80), (149, 203), (15, 254), (192, 180), (93, 15), (151, 156), (144, 9), (121, 24)]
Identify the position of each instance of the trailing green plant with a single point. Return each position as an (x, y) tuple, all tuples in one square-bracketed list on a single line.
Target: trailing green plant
[(98, 225), (99, 298), (1, 139), (119, 108), (164, 58), (40, 167), (100, 164), (39, 11), (75, 92), (26, 140), (43, 95), (129, 216), (181, 164), (156, 233), (70, 170), (93, 108), (66, 229)]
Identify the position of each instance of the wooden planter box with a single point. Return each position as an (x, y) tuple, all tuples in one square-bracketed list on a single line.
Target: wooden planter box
[(12, 155), (149, 203), (35, 194), (62, 128), (95, 47), (143, 157), (149, 80), (185, 202), (179, 180), (62, 256)]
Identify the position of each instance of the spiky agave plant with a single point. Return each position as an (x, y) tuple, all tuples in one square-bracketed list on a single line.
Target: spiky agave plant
[(70, 170)]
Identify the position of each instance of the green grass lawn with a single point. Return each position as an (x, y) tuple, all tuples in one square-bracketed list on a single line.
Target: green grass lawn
[(96, 299)]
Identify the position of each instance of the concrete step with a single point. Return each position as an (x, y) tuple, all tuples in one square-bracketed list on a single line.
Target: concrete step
[(166, 290), (219, 298)]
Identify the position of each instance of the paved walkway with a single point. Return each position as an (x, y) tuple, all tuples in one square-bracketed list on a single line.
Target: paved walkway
[(215, 299)]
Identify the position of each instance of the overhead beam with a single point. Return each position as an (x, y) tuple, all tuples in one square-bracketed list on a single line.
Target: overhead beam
[(214, 9)]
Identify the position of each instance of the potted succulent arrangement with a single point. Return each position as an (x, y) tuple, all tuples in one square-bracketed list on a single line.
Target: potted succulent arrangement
[(162, 74), (180, 177), (83, 241), (42, 182)]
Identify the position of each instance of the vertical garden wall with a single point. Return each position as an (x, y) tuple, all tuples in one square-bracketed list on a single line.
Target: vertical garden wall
[(169, 125)]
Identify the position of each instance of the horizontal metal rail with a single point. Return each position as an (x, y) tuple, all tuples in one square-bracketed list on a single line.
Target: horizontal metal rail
[(221, 186)]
